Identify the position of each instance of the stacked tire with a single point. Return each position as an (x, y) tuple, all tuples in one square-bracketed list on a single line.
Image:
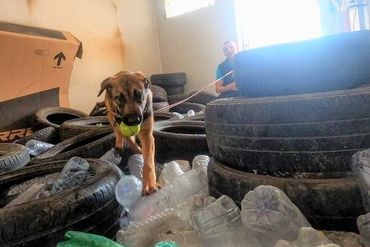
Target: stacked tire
[(300, 143), (173, 83)]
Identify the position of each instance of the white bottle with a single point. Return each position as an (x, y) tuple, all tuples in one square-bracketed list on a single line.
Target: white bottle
[(181, 189), (128, 190), (113, 156), (219, 224), (200, 161), (36, 147), (169, 172)]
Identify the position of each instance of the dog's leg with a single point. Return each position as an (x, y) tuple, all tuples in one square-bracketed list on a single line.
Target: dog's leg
[(119, 139), (149, 177), (133, 145)]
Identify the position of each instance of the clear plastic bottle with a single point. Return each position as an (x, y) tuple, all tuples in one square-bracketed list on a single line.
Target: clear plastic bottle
[(268, 215), (135, 164), (128, 190), (200, 161), (36, 147), (73, 174), (169, 172), (191, 113), (113, 156), (219, 224), (145, 232), (181, 189)]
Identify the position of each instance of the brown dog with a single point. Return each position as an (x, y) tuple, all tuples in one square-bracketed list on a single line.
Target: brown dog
[(128, 98)]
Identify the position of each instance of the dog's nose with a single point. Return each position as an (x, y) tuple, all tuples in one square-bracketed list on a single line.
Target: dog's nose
[(132, 119)]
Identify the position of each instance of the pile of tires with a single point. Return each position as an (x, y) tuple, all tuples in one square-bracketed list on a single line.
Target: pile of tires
[(91, 207), (173, 83), (300, 143)]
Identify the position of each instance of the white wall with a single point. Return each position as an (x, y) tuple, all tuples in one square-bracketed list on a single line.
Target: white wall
[(192, 42), (116, 35)]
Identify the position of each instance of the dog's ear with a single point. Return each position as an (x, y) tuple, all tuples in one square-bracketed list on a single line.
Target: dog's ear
[(105, 85), (144, 79)]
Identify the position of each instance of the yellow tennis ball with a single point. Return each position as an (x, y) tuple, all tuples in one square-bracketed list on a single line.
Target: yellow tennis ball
[(129, 130)]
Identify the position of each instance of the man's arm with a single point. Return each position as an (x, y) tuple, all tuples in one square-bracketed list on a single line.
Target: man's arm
[(220, 88)]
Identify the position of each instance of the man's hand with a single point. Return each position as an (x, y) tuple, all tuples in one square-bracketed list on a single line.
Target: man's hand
[(220, 88)]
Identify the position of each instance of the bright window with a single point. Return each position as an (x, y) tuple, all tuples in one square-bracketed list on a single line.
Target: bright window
[(179, 7), (267, 22)]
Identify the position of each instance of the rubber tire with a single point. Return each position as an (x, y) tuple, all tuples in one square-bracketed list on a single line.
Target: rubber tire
[(304, 66), (48, 134), (159, 105), (169, 79), (202, 98), (88, 208), (176, 98), (159, 93), (184, 107), (179, 145), (331, 204), (13, 156), (90, 144), (78, 126), (174, 90), (162, 116), (59, 115)]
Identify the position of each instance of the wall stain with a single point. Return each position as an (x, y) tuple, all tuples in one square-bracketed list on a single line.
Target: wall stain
[(31, 4)]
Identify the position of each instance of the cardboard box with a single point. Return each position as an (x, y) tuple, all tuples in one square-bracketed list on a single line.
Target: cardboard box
[(34, 60), (35, 69)]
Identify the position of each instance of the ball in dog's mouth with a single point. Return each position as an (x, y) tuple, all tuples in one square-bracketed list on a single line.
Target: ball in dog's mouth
[(129, 130)]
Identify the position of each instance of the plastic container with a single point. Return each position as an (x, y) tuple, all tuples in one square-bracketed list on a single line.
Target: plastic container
[(36, 147), (135, 164), (307, 237), (200, 161), (219, 224), (128, 190), (113, 156), (73, 174), (169, 172)]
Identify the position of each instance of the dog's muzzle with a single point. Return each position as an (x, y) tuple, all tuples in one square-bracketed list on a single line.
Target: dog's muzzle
[(132, 119)]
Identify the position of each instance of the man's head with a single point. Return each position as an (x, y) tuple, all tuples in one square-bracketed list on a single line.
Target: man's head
[(230, 48)]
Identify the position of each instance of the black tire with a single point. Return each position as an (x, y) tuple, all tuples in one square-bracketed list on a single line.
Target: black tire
[(78, 126), (202, 98), (161, 116), (179, 139), (184, 107), (90, 144), (174, 90), (159, 93), (305, 66), (54, 116), (48, 134), (328, 203), (168, 80), (176, 98), (303, 108), (160, 105), (45, 221), (13, 156)]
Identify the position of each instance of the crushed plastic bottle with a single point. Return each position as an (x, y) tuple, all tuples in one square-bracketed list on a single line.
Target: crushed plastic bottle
[(144, 233), (135, 164), (169, 172), (184, 165), (128, 190), (113, 156), (181, 189), (36, 147), (268, 215), (200, 161), (219, 224), (307, 237), (73, 174)]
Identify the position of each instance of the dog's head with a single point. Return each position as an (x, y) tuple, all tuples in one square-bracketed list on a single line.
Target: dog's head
[(129, 96)]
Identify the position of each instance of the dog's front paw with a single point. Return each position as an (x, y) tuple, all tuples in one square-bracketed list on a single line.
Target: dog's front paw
[(149, 183)]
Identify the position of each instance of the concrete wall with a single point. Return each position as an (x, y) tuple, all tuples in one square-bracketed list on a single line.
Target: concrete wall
[(192, 42), (116, 35)]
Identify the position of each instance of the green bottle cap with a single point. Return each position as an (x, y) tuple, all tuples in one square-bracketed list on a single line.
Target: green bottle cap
[(166, 244)]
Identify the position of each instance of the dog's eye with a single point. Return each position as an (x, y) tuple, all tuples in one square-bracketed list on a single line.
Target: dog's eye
[(120, 99), (138, 95)]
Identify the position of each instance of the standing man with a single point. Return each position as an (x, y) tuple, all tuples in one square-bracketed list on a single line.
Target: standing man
[(227, 86)]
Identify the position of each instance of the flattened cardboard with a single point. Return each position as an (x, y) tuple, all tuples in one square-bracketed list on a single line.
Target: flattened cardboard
[(34, 60)]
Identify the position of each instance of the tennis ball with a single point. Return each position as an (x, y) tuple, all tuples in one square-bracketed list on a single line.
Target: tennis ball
[(129, 130)]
